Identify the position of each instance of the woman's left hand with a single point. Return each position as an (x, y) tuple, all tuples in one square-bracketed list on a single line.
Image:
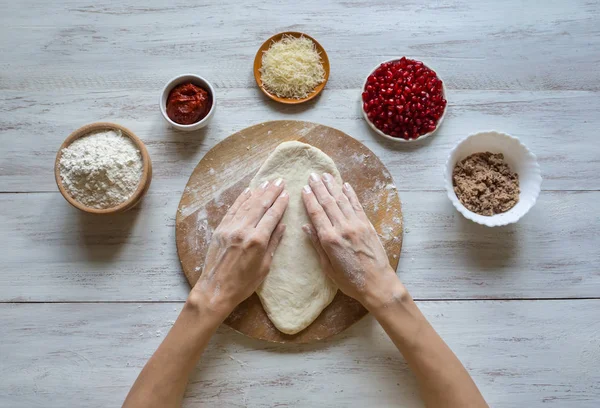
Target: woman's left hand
[(242, 247)]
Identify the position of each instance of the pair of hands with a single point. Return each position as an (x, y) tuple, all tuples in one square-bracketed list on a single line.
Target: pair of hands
[(242, 247)]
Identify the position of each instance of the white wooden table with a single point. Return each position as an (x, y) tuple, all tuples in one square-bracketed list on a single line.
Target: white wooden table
[(85, 300)]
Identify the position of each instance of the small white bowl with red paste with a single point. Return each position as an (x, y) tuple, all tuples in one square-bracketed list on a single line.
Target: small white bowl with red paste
[(403, 100), (188, 102)]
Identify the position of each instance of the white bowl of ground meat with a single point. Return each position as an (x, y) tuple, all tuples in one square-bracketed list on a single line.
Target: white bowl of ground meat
[(492, 178)]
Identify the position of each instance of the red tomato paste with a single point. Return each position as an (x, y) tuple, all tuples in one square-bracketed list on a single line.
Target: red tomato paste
[(188, 104)]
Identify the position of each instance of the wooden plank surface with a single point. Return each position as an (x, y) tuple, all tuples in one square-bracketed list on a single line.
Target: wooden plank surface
[(558, 126), (525, 68), (552, 252), (520, 353), (487, 45)]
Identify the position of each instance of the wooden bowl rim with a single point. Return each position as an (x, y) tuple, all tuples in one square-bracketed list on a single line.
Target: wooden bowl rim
[(144, 180), (258, 64)]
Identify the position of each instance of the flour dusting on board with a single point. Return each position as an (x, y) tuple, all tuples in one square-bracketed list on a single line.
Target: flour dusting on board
[(305, 129), (199, 204), (203, 227)]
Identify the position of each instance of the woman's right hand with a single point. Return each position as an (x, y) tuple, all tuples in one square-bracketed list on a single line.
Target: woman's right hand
[(353, 257), (347, 243), (241, 249)]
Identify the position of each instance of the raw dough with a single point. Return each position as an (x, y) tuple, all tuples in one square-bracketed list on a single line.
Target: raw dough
[(296, 290)]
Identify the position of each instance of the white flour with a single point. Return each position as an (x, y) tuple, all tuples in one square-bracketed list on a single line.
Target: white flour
[(102, 169)]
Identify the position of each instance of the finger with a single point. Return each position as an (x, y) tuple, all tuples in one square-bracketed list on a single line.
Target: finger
[(353, 199), (271, 248), (326, 200), (314, 238), (311, 232), (259, 202), (336, 192), (235, 206), (269, 221), (262, 203), (314, 210), (275, 240)]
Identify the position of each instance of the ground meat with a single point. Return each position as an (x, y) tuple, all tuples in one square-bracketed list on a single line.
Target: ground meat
[(485, 184)]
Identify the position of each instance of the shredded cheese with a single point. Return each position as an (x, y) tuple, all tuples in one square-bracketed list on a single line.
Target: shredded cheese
[(292, 68)]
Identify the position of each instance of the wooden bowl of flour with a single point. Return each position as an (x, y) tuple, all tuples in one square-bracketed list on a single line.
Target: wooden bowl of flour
[(142, 186)]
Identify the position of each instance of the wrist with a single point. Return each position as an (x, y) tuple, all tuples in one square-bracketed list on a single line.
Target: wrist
[(387, 291), (211, 306), (397, 313)]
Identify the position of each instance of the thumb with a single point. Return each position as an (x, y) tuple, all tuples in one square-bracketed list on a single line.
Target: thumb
[(275, 240), (314, 238), (271, 248)]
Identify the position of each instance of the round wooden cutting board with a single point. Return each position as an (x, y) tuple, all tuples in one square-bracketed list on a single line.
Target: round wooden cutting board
[(227, 169)]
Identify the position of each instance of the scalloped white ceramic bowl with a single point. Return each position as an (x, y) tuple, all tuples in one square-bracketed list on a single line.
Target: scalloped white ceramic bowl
[(520, 160)]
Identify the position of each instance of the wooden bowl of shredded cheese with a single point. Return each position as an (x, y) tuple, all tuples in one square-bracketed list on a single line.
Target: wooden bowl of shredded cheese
[(291, 67)]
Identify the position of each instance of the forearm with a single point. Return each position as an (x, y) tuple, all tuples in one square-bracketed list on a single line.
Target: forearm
[(163, 380), (442, 379)]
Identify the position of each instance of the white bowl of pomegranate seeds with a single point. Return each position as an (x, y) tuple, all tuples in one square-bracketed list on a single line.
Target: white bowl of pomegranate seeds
[(403, 100)]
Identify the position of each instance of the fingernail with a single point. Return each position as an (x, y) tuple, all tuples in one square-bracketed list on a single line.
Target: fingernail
[(307, 189), (278, 182), (264, 184), (247, 190), (283, 194), (347, 187), (306, 229), (327, 177), (314, 177)]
